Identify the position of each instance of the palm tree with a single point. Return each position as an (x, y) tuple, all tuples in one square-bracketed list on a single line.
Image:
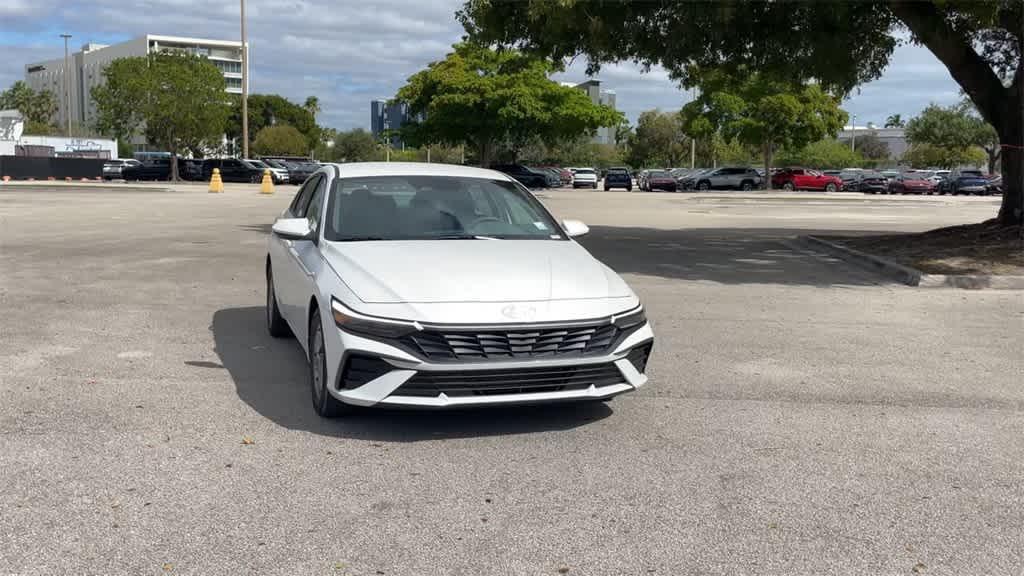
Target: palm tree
[(312, 105), (894, 121)]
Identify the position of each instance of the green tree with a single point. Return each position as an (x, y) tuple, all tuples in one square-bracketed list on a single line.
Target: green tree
[(923, 155), (355, 146), (760, 110), (823, 154), (268, 110), (37, 107), (176, 99), (954, 128), (280, 139), (871, 147), (658, 141), (482, 98), (895, 121), (838, 44), (312, 105)]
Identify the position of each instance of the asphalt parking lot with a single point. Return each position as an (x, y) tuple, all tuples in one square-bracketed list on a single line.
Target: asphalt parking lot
[(803, 416)]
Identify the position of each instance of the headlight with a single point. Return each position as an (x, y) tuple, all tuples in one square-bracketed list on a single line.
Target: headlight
[(629, 320), (351, 321)]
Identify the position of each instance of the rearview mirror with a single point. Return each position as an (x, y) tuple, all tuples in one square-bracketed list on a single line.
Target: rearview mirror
[(575, 228), (292, 229)]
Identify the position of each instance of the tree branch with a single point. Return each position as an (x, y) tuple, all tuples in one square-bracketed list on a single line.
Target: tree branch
[(954, 50)]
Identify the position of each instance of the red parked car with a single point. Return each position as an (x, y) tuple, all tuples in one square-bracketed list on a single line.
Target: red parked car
[(912, 183), (801, 179), (660, 180)]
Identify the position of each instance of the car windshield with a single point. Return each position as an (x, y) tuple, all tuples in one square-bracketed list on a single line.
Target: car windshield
[(255, 164), (658, 174), (584, 171), (970, 174), (870, 174), (435, 208)]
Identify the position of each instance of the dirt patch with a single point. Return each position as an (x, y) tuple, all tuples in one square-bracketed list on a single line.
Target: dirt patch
[(987, 248)]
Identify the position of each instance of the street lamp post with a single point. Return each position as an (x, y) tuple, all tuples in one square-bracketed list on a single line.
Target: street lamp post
[(245, 88), (67, 87), (853, 134)]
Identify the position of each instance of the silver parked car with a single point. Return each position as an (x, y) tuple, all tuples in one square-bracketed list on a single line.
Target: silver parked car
[(112, 168), (427, 285), (728, 178)]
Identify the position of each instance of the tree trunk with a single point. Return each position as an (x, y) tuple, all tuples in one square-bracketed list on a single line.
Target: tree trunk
[(999, 105), (174, 166), (484, 154), (993, 158), (767, 166)]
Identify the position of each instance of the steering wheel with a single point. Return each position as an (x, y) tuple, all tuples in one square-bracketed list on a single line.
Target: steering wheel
[(481, 220)]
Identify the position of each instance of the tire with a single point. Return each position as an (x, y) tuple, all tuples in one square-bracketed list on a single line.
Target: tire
[(788, 186), (594, 187), (746, 186), (326, 405), (255, 179), (276, 324), (606, 188), (704, 186), (830, 187), (629, 189)]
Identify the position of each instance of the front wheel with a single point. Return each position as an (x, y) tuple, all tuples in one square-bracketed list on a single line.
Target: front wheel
[(704, 186), (324, 403), (830, 187), (276, 324)]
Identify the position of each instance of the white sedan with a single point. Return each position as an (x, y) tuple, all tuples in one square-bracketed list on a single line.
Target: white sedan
[(427, 285)]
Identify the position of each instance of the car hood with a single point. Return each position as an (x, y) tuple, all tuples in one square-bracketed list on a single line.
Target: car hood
[(429, 271)]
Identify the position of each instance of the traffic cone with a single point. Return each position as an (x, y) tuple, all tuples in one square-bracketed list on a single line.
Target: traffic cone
[(216, 184), (267, 186)]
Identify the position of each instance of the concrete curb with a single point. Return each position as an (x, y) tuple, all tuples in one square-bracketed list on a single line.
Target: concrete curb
[(78, 186), (911, 276)]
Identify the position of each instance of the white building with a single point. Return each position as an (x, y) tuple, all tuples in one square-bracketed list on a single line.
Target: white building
[(86, 69), (894, 138), (605, 134)]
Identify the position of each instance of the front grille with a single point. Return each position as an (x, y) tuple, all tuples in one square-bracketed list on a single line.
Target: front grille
[(510, 381), (453, 345)]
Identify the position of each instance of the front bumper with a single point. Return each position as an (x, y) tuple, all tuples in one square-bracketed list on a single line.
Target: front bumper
[(398, 385)]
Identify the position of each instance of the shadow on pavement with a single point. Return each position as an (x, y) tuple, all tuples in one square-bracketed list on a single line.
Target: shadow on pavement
[(262, 228), (270, 375), (724, 255)]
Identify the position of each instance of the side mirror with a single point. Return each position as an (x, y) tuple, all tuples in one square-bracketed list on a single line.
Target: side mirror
[(292, 229), (575, 228)]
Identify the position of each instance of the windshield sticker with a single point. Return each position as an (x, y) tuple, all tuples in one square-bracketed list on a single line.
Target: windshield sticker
[(540, 225)]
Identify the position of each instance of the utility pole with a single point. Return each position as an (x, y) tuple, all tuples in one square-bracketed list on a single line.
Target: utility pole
[(693, 143), (67, 86), (245, 88), (853, 134)]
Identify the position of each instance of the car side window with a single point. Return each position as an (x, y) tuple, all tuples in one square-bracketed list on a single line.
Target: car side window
[(298, 207), (315, 207)]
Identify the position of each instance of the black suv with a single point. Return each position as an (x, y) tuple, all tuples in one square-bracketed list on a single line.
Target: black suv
[(526, 176), (150, 168), (618, 178), (232, 170)]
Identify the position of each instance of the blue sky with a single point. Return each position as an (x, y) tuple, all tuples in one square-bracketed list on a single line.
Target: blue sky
[(347, 52)]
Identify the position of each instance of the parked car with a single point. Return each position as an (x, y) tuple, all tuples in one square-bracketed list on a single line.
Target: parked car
[(689, 180), (661, 180), (487, 329), (190, 169), (150, 168), (554, 175), (938, 176), (299, 171), (526, 176), (995, 184), (112, 168), (277, 175), (564, 176), (618, 178), (233, 170), (866, 181), (584, 178), (911, 182), (729, 178), (965, 181), (803, 179)]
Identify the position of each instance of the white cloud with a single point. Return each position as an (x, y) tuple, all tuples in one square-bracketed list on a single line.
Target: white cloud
[(348, 52)]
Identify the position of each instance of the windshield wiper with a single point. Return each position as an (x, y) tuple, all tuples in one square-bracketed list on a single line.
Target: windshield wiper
[(464, 237), (358, 238)]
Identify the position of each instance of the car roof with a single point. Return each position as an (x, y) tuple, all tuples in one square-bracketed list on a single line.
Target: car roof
[(365, 169)]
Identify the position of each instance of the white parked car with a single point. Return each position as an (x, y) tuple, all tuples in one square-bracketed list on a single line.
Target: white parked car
[(277, 175), (429, 285), (112, 168), (584, 177)]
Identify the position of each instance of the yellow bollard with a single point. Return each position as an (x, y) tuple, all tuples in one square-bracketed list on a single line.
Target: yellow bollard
[(216, 184), (267, 186)]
